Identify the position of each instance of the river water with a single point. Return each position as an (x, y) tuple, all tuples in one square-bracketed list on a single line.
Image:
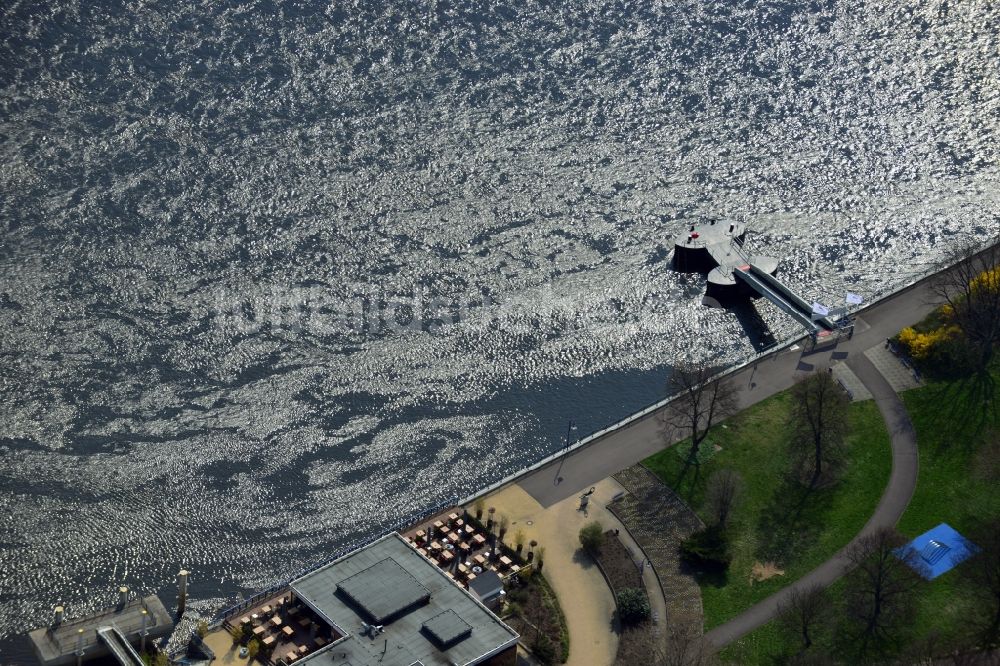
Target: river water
[(276, 275)]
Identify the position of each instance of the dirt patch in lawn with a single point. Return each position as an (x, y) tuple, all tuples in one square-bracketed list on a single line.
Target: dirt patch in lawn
[(761, 572)]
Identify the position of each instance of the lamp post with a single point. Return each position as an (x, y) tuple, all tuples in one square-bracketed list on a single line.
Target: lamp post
[(570, 427), (144, 631), (79, 647)]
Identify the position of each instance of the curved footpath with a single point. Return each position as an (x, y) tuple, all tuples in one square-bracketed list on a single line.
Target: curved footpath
[(896, 497), (583, 594), (634, 441)]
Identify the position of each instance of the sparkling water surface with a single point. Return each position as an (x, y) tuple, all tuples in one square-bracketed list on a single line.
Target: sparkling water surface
[(278, 275)]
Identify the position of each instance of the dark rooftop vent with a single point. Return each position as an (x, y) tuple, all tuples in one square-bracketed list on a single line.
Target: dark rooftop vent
[(446, 629), (384, 591)]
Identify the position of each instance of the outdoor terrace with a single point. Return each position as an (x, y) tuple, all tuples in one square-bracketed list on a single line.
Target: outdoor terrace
[(462, 547), (287, 629)]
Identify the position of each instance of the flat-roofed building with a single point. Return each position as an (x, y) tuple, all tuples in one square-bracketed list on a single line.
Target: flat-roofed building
[(393, 607)]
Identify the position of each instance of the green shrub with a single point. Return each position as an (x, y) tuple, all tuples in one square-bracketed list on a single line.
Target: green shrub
[(544, 650), (633, 606), (707, 549), (592, 537), (154, 659)]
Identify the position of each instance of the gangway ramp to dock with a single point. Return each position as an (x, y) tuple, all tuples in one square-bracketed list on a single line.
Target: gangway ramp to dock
[(782, 296), (104, 633), (734, 275), (119, 646)]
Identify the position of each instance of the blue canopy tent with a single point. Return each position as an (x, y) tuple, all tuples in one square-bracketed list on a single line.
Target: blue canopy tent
[(937, 550)]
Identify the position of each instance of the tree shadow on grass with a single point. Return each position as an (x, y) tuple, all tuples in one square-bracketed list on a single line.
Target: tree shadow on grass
[(687, 481), (791, 521), (962, 395), (964, 407), (713, 578)]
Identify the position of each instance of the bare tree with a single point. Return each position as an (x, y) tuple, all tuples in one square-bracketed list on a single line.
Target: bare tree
[(701, 400), (805, 611), (722, 491), (880, 589), (819, 426), (971, 287), (981, 575), (685, 647)]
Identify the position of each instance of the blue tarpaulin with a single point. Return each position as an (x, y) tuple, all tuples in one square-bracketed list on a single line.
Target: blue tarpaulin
[(938, 550)]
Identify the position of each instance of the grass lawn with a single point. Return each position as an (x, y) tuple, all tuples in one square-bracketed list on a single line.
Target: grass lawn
[(775, 519), (951, 488), (771, 645)]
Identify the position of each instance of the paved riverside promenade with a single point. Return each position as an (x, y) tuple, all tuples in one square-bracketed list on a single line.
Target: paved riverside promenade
[(584, 595), (641, 438)]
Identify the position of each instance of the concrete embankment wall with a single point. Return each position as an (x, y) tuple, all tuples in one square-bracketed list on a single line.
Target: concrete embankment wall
[(651, 410), (592, 439)]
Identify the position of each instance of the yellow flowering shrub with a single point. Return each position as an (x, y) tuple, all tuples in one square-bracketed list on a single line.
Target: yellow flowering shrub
[(920, 345), (987, 280)]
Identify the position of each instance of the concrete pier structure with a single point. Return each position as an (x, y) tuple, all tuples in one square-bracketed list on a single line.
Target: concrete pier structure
[(182, 591), (699, 247), (717, 248), (80, 640)]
